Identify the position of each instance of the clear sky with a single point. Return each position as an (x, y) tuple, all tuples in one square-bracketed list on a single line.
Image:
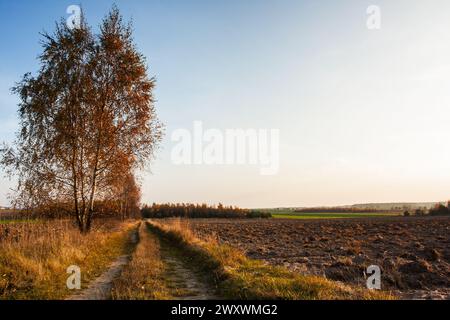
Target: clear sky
[(364, 115)]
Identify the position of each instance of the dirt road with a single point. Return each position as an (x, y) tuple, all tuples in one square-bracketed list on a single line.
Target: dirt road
[(100, 288), (183, 280)]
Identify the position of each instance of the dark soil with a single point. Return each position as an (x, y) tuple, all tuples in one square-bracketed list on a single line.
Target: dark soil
[(412, 252)]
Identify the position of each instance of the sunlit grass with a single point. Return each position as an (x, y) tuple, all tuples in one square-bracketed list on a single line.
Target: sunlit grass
[(13, 221), (34, 257)]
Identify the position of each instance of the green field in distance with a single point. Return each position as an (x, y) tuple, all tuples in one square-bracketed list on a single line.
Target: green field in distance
[(331, 215)]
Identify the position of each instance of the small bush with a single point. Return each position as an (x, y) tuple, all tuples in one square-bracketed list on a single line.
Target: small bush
[(440, 210)]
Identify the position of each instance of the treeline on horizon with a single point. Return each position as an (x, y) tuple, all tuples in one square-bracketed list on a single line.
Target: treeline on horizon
[(339, 210), (438, 210), (122, 206), (190, 210)]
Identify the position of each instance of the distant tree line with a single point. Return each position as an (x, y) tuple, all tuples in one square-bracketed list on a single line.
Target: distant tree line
[(189, 210), (124, 203), (338, 210), (438, 210)]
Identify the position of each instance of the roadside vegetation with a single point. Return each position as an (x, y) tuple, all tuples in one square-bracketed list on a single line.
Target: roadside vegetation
[(13, 221), (238, 277), (34, 257)]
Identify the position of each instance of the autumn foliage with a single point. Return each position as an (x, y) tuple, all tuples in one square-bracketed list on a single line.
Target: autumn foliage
[(87, 122), (189, 210)]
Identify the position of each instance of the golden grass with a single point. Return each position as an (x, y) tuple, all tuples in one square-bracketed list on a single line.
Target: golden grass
[(142, 278), (239, 277), (34, 257)]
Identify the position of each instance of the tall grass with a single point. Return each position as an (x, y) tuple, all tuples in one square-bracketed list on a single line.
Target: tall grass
[(34, 256)]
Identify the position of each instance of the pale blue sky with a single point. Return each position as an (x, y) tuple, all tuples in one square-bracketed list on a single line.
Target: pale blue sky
[(364, 115)]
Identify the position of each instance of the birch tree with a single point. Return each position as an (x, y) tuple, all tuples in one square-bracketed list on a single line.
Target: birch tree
[(87, 119)]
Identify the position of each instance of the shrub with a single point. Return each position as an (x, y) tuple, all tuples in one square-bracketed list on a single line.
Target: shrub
[(440, 210)]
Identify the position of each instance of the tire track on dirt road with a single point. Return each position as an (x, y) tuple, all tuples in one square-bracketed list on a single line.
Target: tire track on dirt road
[(182, 278), (100, 288)]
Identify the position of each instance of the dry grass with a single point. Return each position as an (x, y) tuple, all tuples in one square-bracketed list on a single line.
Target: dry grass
[(34, 256), (143, 278), (239, 277), (178, 226)]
